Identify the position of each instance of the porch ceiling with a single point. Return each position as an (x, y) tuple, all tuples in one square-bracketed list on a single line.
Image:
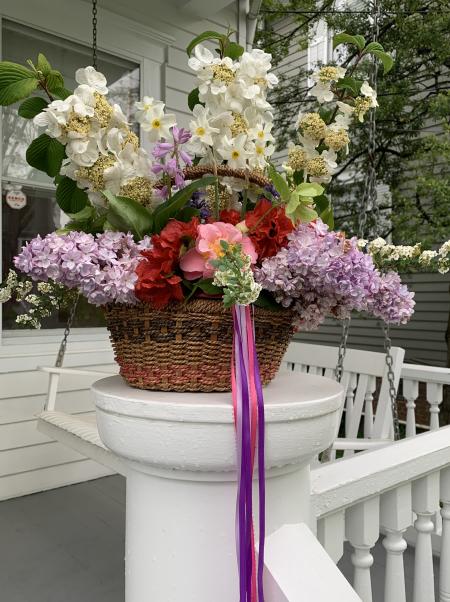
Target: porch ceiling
[(148, 11)]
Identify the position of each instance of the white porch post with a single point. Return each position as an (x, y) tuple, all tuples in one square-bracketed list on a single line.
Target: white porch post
[(181, 487)]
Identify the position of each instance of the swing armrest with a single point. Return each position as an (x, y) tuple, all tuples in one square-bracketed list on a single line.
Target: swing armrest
[(360, 444), (79, 371)]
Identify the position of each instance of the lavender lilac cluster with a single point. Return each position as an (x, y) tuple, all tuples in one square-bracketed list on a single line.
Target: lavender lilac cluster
[(101, 267), (319, 275)]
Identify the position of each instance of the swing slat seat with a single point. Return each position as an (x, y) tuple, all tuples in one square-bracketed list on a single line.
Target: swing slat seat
[(365, 427)]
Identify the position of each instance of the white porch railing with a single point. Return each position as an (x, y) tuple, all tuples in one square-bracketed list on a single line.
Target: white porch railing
[(434, 379), (385, 491)]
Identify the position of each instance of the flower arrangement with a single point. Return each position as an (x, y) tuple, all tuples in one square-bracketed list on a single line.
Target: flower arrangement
[(205, 213)]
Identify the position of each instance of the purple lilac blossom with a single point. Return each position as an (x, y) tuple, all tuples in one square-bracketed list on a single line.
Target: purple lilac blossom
[(101, 267), (319, 275), (171, 157)]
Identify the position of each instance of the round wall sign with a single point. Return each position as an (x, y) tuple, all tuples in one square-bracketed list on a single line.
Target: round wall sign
[(16, 199)]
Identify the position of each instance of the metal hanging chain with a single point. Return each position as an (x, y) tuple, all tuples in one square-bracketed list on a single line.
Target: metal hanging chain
[(339, 370), (94, 34), (63, 345), (391, 381)]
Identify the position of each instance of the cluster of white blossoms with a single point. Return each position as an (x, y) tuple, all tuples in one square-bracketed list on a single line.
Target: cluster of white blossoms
[(153, 120), (233, 121), (388, 254), (102, 152), (319, 143)]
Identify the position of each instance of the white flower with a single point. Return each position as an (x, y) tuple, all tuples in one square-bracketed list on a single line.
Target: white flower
[(146, 107), (157, 124), (322, 91), (118, 118), (445, 249), (253, 72), (233, 150), (54, 118), (111, 141), (92, 78), (142, 163), (82, 151), (203, 58), (262, 133), (343, 117), (427, 257), (201, 127), (259, 153), (82, 101), (369, 92)]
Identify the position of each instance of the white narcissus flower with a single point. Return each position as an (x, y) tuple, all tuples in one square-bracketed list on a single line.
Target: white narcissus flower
[(145, 108), (369, 92), (158, 125), (201, 128), (92, 78), (262, 133), (233, 150), (259, 154)]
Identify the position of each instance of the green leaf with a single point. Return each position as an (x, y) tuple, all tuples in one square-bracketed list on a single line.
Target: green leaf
[(203, 37), (371, 46), (170, 208), (187, 213), (345, 38), (193, 98), (305, 214), (309, 189), (321, 203), (209, 288), (280, 183), (16, 82), (46, 154), (349, 83), (233, 50), (84, 215), (43, 65), (70, 198), (267, 301), (32, 107), (129, 215), (54, 80), (385, 58), (61, 92), (327, 217)]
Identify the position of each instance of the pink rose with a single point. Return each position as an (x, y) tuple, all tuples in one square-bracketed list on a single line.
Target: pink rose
[(195, 263)]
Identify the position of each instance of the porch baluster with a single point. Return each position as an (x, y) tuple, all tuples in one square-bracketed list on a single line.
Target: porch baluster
[(349, 401), (395, 518), (444, 572), (362, 531), (411, 393), (368, 407), (434, 398), (425, 501), (330, 533)]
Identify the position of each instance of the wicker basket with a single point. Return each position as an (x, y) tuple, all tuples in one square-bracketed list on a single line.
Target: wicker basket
[(187, 346)]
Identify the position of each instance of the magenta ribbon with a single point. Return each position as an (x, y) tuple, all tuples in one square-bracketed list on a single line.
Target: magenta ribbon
[(248, 406)]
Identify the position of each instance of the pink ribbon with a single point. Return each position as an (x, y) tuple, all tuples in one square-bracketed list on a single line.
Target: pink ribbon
[(248, 405)]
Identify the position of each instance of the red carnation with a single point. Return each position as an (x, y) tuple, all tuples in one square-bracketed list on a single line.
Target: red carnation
[(230, 216), (158, 283), (268, 227)]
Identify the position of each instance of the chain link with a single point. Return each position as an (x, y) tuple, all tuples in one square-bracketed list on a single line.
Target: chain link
[(391, 381), (94, 34), (62, 347), (339, 370)]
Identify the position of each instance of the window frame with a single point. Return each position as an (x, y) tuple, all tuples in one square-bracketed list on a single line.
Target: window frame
[(144, 46)]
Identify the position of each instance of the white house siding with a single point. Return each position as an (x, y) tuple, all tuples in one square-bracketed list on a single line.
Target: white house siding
[(156, 39), (423, 337)]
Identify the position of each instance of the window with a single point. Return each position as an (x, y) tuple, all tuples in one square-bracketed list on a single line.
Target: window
[(28, 195)]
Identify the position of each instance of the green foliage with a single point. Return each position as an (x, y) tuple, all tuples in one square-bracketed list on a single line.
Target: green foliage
[(412, 96), (69, 197), (32, 106), (345, 38), (46, 154), (170, 208), (193, 98), (16, 82), (128, 215), (226, 46), (351, 84)]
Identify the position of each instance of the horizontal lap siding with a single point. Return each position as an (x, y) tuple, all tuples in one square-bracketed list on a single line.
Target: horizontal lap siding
[(423, 337)]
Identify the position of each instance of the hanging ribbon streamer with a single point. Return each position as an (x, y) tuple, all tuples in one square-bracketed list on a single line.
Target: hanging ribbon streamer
[(248, 406)]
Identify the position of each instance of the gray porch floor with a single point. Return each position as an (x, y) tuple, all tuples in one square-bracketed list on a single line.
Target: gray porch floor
[(67, 545)]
